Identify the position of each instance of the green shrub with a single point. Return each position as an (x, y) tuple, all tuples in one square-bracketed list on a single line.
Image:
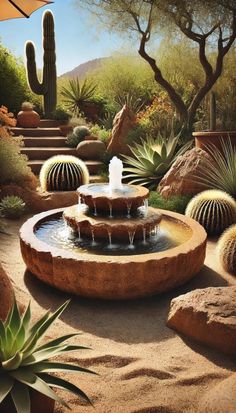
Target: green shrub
[(12, 207), (175, 203), (101, 133), (61, 114)]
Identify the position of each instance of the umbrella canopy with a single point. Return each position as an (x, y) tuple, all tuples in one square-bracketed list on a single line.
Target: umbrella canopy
[(13, 9)]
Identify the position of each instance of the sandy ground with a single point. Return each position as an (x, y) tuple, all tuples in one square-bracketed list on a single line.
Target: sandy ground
[(143, 366)]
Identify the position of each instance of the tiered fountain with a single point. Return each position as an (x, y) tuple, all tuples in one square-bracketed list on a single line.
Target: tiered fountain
[(112, 245)]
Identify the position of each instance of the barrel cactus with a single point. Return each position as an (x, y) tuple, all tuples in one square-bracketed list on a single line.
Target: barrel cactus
[(215, 210), (226, 249), (63, 173), (48, 86)]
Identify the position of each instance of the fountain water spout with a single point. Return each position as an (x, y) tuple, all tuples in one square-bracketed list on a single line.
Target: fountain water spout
[(115, 174)]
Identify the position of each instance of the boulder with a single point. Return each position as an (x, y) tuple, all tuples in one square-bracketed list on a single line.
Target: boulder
[(6, 294), (221, 398), (208, 316), (181, 179), (91, 149), (123, 123)]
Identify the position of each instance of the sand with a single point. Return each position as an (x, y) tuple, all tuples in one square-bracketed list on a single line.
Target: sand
[(143, 366)]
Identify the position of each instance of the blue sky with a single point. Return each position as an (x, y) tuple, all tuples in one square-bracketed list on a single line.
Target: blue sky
[(78, 39)]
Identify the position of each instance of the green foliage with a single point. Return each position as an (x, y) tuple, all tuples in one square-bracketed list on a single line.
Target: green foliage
[(151, 160), (13, 165), (175, 203), (77, 92), (215, 210), (12, 207), (25, 361), (219, 172), (14, 87), (101, 133), (78, 134), (63, 173), (61, 114)]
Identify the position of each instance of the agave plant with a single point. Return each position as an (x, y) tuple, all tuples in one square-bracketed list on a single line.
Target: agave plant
[(219, 172), (77, 93), (12, 206), (25, 364), (151, 159), (135, 104)]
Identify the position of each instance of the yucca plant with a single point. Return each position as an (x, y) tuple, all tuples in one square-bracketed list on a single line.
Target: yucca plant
[(77, 93), (25, 364), (219, 172), (151, 159)]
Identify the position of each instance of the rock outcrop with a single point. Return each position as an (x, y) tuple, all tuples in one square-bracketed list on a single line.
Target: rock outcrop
[(181, 179), (221, 398), (208, 316), (91, 149), (6, 294), (123, 123)]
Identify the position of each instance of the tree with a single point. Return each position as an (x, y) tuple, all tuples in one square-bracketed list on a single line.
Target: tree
[(209, 24)]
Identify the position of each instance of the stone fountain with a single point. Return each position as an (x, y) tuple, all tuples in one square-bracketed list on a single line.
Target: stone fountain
[(111, 244)]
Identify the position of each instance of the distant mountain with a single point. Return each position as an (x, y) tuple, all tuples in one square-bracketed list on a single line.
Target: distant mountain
[(84, 69)]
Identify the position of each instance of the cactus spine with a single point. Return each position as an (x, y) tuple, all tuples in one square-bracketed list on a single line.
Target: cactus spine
[(48, 86), (212, 112), (226, 249), (215, 210)]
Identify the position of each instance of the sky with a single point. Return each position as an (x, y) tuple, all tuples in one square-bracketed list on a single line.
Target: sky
[(78, 38)]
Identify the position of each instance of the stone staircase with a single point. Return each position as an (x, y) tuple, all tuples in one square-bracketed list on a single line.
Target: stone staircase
[(46, 141)]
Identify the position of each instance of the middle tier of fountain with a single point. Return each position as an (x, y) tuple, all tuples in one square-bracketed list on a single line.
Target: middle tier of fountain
[(113, 214)]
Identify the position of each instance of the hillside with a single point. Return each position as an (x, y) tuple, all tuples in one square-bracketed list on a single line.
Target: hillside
[(82, 70)]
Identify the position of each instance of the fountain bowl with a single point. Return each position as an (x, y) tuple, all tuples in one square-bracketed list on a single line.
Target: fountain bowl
[(115, 277)]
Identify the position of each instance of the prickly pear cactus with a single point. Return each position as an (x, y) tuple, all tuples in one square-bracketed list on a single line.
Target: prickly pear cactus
[(48, 86), (226, 249), (63, 173), (215, 210)]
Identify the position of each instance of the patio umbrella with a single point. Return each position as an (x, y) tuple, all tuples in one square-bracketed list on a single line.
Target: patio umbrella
[(13, 9)]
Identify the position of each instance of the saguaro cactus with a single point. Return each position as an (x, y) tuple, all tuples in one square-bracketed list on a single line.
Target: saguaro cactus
[(48, 86)]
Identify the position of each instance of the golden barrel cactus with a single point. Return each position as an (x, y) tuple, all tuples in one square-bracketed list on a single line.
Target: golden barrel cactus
[(215, 210), (226, 249)]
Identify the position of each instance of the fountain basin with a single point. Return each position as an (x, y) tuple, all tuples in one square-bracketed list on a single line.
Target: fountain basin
[(114, 276), (115, 228), (99, 197)]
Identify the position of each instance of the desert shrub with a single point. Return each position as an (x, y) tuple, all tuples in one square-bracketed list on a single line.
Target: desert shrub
[(101, 133), (176, 203), (12, 207), (14, 87), (13, 165)]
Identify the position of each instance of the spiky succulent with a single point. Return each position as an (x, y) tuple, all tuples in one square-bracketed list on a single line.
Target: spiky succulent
[(77, 92), (24, 361), (151, 159), (12, 206), (226, 249)]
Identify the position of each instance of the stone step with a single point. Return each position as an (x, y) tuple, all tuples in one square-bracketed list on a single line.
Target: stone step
[(49, 123), (53, 141), (36, 132), (94, 167), (46, 152)]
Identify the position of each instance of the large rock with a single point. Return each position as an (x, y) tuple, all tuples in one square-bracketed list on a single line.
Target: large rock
[(221, 398), (91, 149), (181, 179), (6, 294), (123, 123), (208, 316)]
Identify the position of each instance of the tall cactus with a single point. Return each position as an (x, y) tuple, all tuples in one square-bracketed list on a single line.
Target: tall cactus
[(48, 86)]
